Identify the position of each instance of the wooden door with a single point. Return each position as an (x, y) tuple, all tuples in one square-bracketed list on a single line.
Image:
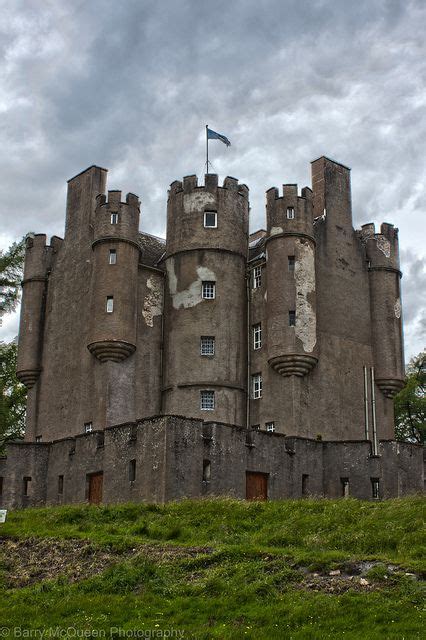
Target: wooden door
[(256, 486), (95, 487)]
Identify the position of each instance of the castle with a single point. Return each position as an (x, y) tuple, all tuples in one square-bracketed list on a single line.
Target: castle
[(260, 365)]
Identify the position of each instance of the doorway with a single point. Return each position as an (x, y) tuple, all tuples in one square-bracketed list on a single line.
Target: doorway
[(95, 482), (256, 485)]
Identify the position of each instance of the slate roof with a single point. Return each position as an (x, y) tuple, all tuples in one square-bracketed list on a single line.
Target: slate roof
[(152, 248)]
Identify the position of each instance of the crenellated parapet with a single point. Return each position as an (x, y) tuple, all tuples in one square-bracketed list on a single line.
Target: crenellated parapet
[(112, 334), (291, 297), (382, 254)]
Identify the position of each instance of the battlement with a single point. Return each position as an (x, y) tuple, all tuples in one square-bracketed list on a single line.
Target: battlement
[(211, 183), (288, 191), (381, 247), (114, 199)]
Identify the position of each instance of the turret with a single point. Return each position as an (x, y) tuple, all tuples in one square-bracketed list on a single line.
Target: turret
[(37, 262), (112, 333), (291, 297), (384, 277), (205, 361)]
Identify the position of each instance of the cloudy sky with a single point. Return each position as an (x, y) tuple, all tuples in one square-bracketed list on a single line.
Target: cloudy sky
[(130, 86)]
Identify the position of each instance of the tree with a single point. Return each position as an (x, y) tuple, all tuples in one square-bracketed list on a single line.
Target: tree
[(11, 273), (13, 396), (410, 403)]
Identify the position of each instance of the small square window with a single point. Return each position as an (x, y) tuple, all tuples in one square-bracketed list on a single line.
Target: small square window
[(207, 400), (290, 213), (291, 318), (206, 470), (257, 277), (210, 219), (113, 256), (291, 263), (27, 481), (114, 218), (257, 336), (207, 344), (375, 486), (38, 438), (208, 290), (345, 487), (60, 485), (88, 427), (110, 304), (270, 427), (256, 386), (132, 470)]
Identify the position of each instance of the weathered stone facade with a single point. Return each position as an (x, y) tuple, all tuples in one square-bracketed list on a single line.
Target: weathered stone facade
[(295, 329)]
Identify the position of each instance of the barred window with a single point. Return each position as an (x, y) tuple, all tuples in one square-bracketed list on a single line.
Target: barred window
[(208, 290), (110, 304), (207, 345), (113, 256), (290, 213), (257, 277), (270, 427), (207, 400), (114, 218), (257, 335), (292, 318), (256, 382), (345, 487), (88, 427), (375, 486), (210, 219)]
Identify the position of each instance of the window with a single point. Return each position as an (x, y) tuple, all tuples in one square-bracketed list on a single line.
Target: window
[(257, 277), (291, 318), (38, 438), (110, 304), (270, 427), (208, 290), (290, 213), (113, 256), (375, 486), (206, 470), (132, 470), (255, 427), (207, 346), (27, 480), (305, 484), (60, 485), (257, 336), (114, 218), (207, 400), (88, 427), (345, 487), (256, 386), (210, 219), (291, 262)]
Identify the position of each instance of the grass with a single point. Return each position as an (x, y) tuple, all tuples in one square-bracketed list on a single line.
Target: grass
[(241, 570)]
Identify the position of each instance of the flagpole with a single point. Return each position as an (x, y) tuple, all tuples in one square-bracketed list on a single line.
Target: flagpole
[(207, 149)]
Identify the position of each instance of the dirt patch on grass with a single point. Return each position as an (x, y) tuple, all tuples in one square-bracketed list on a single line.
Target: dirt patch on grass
[(32, 560)]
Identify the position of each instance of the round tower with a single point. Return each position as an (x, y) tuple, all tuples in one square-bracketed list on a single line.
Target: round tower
[(32, 310), (291, 297), (385, 295), (112, 332), (205, 321)]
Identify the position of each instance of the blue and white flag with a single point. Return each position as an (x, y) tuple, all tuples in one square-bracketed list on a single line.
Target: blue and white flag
[(212, 135)]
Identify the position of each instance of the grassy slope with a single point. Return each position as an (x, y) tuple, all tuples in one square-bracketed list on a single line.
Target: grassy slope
[(250, 582)]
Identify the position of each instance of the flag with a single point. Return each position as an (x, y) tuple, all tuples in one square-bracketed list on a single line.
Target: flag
[(212, 135)]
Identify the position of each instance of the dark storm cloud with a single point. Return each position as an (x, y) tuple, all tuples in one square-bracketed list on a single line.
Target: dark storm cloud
[(130, 86)]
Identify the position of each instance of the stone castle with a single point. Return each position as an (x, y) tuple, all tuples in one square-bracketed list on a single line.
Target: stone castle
[(259, 365)]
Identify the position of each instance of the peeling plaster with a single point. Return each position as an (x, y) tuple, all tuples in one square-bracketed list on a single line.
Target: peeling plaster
[(304, 276), (197, 200), (383, 245), (191, 296), (276, 230), (153, 302), (397, 308)]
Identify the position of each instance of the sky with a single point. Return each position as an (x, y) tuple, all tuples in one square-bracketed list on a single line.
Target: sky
[(131, 85)]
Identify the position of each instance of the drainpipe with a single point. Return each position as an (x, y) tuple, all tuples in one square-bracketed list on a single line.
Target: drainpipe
[(248, 350), (366, 402), (373, 408), (162, 348)]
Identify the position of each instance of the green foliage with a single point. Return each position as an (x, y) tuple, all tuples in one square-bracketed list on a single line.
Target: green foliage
[(410, 403), (11, 273), (13, 396)]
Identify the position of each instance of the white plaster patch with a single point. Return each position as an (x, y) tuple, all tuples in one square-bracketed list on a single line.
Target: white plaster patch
[(276, 230), (397, 308), (197, 200), (191, 296), (153, 303), (304, 276), (383, 245)]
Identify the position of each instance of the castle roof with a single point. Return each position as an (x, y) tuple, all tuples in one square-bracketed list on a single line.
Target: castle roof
[(152, 248)]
